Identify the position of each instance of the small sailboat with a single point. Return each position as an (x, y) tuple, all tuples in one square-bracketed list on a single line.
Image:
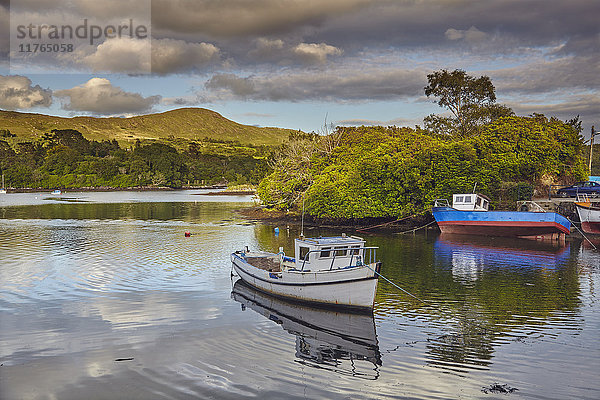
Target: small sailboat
[(332, 271), (2, 188)]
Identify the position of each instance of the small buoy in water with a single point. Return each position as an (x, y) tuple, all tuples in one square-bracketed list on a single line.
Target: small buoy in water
[(188, 234)]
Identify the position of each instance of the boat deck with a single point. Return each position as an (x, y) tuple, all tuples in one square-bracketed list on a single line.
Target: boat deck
[(270, 264)]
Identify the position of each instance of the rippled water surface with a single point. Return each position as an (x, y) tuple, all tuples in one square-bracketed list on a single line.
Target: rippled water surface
[(102, 296)]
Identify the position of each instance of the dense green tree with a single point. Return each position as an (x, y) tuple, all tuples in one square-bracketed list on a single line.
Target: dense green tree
[(68, 138), (5, 133), (7, 155), (61, 160), (470, 100), (164, 162), (394, 172)]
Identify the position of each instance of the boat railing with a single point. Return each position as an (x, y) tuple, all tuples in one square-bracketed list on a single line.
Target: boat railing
[(529, 206), (369, 256), (441, 203), (582, 198)]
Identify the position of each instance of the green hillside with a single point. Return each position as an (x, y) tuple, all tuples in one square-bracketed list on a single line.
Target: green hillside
[(187, 123)]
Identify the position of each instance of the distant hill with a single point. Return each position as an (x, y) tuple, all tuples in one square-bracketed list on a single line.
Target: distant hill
[(187, 123)]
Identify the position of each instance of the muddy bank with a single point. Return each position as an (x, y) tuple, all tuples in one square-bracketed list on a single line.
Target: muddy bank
[(360, 224)]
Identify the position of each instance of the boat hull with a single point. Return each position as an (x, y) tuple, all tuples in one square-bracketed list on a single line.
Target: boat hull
[(589, 217), (500, 223), (350, 287)]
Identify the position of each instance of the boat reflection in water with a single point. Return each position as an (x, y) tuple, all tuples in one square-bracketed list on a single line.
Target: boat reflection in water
[(470, 255), (337, 340)]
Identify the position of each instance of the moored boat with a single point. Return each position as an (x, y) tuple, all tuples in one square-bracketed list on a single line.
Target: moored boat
[(589, 215), (470, 214), (331, 271)]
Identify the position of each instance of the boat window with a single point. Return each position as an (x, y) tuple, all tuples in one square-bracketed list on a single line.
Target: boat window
[(304, 253), (340, 251), (325, 252), (478, 202), (467, 199), (354, 250), (485, 204), (459, 199)]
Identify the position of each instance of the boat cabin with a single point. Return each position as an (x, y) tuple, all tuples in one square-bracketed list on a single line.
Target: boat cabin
[(470, 202), (326, 253)]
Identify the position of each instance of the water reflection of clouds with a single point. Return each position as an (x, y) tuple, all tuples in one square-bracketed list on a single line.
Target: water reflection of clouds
[(180, 196), (74, 342), (72, 258)]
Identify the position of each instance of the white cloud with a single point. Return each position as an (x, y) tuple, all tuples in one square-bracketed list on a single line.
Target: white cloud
[(266, 49), (99, 96), (540, 75), (567, 107), (16, 92), (124, 55), (225, 84), (170, 55), (470, 35), (338, 85), (313, 53)]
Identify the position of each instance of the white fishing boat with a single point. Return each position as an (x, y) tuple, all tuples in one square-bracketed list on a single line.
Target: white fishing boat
[(334, 271), (589, 214), (56, 191)]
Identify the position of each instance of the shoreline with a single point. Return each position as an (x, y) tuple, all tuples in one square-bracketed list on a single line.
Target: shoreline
[(364, 224), (118, 189)]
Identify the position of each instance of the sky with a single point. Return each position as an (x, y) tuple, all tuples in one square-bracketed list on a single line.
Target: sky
[(296, 64)]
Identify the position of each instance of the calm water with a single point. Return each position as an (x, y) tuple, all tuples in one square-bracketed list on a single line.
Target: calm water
[(102, 296)]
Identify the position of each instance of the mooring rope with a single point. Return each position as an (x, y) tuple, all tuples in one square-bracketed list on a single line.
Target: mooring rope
[(396, 286), (582, 234), (385, 223), (416, 229)]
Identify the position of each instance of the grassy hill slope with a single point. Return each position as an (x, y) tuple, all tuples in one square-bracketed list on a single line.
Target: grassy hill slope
[(187, 123)]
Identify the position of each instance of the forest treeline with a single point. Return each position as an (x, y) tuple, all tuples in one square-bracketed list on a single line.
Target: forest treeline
[(66, 159)]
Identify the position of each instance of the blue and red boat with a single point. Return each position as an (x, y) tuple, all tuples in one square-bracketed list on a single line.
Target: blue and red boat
[(469, 215)]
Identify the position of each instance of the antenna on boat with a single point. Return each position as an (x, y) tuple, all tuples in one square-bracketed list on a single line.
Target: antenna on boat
[(302, 223), (474, 187)]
